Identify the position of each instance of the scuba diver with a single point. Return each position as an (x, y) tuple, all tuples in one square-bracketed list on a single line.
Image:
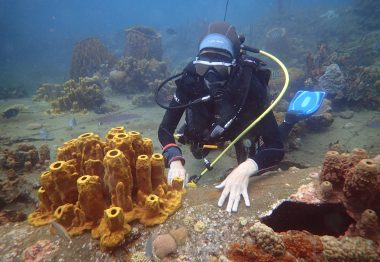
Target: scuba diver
[(221, 92)]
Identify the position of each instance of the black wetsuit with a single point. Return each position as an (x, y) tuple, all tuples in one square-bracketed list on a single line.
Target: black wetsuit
[(201, 118)]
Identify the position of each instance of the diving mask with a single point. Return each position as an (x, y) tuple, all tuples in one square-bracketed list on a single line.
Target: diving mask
[(223, 68)]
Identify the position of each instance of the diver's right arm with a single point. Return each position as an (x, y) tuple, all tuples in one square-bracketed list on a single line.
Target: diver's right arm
[(171, 152)]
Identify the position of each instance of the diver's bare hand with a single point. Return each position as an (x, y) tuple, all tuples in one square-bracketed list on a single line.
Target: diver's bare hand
[(236, 184)]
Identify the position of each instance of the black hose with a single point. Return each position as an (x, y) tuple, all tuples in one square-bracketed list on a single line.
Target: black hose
[(225, 11), (199, 100)]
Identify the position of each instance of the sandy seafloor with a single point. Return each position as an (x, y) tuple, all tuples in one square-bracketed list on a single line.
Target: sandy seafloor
[(200, 203)]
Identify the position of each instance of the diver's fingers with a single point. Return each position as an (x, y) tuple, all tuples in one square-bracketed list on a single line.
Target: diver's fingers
[(223, 197), (236, 204), (221, 185), (246, 198), (231, 199)]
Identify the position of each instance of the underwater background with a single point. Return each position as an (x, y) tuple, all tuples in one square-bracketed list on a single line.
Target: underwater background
[(77, 90), (38, 37)]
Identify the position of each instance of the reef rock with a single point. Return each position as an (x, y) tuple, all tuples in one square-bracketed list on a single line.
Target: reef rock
[(332, 81)]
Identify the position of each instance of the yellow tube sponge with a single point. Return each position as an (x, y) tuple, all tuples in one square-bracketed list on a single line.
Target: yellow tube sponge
[(158, 170), (46, 181), (123, 142), (177, 183), (115, 228), (42, 215), (120, 173), (94, 167), (137, 142), (123, 197), (117, 170), (90, 146), (152, 214), (65, 179), (44, 201), (147, 146), (65, 214), (143, 178), (90, 198)]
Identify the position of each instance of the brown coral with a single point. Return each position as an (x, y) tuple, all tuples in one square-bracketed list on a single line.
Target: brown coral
[(143, 43), (87, 57)]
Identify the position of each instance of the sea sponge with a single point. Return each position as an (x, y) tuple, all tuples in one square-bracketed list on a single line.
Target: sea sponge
[(163, 245), (117, 170), (180, 235), (143, 171), (358, 154), (65, 215), (47, 183), (44, 212), (153, 213), (147, 146), (115, 228), (105, 178), (123, 142), (44, 201), (326, 189), (158, 170), (331, 169), (177, 183), (267, 239), (349, 249), (368, 223), (65, 179), (90, 198), (199, 226), (361, 184)]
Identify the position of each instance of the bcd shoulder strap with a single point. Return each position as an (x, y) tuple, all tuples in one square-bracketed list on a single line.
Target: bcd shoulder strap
[(263, 74)]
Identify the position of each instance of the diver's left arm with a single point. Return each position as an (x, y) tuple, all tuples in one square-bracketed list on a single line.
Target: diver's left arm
[(272, 150), (236, 184)]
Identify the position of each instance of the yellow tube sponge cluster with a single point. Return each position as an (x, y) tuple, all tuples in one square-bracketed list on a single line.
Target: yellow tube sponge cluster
[(112, 229), (104, 185)]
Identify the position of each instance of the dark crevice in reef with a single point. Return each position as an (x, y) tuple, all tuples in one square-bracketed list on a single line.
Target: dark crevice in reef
[(319, 219)]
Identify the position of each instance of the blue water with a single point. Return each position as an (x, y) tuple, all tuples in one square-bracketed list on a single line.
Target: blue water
[(37, 36)]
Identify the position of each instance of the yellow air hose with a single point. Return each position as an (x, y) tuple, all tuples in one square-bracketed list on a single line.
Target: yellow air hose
[(192, 184)]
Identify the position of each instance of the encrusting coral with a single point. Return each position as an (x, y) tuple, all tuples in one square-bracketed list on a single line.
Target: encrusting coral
[(103, 185)]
